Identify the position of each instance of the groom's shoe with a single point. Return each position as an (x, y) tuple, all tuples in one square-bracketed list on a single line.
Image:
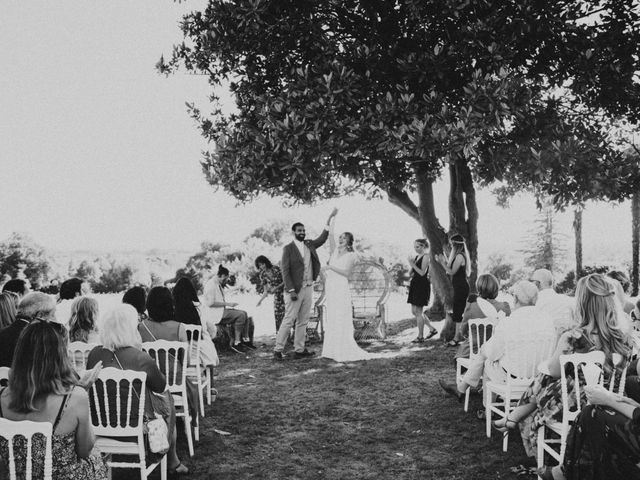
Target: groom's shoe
[(278, 356), (304, 354)]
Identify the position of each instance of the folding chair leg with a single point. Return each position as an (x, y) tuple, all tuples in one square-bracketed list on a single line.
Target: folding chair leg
[(466, 400), (208, 371), (488, 404), (200, 393), (163, 468), (196, 430), (541, 447), (187, 429)]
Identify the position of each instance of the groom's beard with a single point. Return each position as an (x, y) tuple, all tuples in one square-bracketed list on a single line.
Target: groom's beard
[(300, 237)]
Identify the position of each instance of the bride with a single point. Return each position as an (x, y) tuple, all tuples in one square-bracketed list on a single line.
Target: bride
[(339, 343)]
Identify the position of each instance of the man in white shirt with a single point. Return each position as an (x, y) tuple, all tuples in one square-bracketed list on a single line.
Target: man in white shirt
[(526, 320), (561, 308)]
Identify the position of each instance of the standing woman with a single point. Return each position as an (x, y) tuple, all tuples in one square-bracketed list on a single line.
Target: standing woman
[(271, 281), (458, 266), (420, 288)]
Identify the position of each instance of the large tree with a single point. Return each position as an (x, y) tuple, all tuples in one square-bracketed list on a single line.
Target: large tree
[(380, 96)]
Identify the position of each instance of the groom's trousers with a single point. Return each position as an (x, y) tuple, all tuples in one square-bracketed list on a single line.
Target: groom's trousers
[(299, 309)]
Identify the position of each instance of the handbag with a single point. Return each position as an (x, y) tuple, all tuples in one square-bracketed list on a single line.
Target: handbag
[(157, 432)]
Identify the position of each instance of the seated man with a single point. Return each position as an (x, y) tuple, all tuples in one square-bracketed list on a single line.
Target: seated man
[(222, 312), (33, 306), (559, 307), (526, 319)]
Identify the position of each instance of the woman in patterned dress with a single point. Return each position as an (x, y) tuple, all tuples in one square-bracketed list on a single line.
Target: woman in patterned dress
[(598, 329), (271, 282), (44, 388)]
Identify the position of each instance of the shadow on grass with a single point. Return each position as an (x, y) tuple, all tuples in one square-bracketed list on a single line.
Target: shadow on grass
[(316, 419)]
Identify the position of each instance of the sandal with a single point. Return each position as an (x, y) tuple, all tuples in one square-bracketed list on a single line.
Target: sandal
[(432, 333), (180, 469), (418, 340), (506, 427), (452, 343)]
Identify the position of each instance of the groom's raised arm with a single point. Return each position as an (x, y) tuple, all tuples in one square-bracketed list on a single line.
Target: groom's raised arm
[(285, 266), (318, 242)]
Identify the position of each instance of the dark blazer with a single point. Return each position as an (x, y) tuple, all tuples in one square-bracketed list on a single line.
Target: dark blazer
[(293, 264)]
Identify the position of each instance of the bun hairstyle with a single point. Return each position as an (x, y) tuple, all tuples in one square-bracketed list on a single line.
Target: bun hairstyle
[(349, 236), (222, 271), (422, 241)]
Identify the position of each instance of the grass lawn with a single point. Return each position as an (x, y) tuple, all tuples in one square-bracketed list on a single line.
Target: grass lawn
[(316, 419)]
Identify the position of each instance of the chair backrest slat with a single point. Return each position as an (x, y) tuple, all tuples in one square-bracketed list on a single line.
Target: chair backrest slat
[(78, 353), (480, 330), (170, 356), (194, 334), (121, 410), (577, 362), (27, 429)]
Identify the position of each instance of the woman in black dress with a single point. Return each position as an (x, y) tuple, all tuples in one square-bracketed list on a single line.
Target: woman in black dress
[(420, 288), (458, 266)]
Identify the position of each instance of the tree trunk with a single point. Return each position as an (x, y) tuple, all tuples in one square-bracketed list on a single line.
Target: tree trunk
[(635, 242), (577, 232), (463, 211)]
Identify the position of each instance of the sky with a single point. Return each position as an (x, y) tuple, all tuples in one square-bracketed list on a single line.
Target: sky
[(97, 151)]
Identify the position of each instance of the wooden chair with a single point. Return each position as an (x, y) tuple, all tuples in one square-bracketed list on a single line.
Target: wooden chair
[(556, 446), (78, 353), (171, 358), (195, 370), (27, 429), (315, 327), (117, 411), (500, 397), (370, 285), (4, 376), (480, 330)]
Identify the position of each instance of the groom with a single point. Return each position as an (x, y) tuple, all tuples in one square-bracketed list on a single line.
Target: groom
[(300, 268)]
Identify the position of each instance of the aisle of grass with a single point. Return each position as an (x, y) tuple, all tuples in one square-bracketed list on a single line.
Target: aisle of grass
[(316, 419)]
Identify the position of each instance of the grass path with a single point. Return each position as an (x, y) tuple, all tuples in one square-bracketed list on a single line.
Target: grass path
[(316, 419)]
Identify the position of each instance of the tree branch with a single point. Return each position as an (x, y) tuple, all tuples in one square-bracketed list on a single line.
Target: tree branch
[(401, 199)]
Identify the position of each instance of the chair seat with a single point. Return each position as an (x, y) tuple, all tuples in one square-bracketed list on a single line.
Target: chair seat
[(111, 445), (514, 387)]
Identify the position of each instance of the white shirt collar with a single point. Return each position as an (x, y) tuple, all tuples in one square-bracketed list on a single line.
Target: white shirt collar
[(300, 246)]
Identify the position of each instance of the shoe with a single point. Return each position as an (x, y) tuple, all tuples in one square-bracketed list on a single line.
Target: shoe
[(418, 340), (452, 343), (451, 390), (304, 354), (181, 469), (238, 348), (278, 356), (249, 345), (432, 334)]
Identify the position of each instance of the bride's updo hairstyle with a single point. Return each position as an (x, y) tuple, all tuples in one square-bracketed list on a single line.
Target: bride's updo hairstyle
[(349, 236)]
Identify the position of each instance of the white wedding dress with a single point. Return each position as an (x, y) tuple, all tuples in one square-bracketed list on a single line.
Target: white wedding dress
[(339, 343)]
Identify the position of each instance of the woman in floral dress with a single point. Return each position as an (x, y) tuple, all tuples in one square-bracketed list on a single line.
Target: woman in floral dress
[(598, 329), (271, 282)]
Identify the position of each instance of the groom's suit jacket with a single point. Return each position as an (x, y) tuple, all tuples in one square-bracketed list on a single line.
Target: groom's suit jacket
[(293, 264)]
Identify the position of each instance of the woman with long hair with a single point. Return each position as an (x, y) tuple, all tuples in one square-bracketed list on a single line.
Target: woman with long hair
[(8, 308), (271, 281), (42, 388), (83, 324), (186, 304), (420, 288), (458, 267), (598, 329)]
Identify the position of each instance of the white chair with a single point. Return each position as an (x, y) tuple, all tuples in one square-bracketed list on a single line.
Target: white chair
[(4, 376), (501, 397), (171, 358), (78, 353), (578, 361), (122, 417), (9, 430), (195, 369), (480, 329)]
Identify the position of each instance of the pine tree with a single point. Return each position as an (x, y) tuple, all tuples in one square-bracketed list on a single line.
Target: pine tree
[(546, 245)]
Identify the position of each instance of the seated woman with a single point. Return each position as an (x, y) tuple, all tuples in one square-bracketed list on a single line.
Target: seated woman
[(121, 349), (186, 302), (488, 288), (161, 326), (83, 324), (604, 441), (43, 388), (137, 298), (8, 308), (597, 312)]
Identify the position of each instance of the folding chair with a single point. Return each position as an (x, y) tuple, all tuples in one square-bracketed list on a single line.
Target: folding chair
[(27, 429), (480, 330)]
